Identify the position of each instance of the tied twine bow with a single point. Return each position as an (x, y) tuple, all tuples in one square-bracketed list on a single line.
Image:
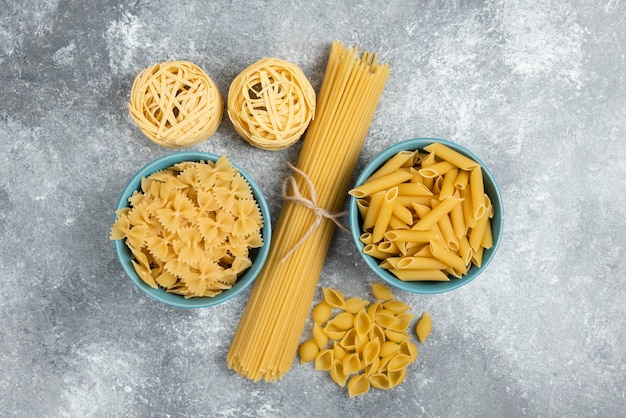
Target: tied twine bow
[(311, 203)]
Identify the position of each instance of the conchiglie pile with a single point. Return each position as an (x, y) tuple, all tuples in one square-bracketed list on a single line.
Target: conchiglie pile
[(190, 228), (363, 344), (176, 104), (271, 103)]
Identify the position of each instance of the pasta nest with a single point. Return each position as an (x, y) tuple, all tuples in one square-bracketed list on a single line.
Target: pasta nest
[(271, 103), (176, 104)]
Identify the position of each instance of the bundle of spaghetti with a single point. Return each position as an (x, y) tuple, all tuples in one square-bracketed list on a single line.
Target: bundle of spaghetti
[(271, 103), (266, 341), (176, 104)]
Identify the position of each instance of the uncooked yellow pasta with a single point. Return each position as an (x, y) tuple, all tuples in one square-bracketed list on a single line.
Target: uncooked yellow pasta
[(436, 170), (374, 347), (271, 103), (373, 211), (382, 183), (266, 341), (446, 153), (384, 215), (441, 213), (175, 104), (401, 159), (424, 327), (191, 238), (478, 193)]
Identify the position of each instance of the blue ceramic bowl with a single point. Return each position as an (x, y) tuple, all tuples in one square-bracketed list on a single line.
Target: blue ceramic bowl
[(257, 255), (491, 188)]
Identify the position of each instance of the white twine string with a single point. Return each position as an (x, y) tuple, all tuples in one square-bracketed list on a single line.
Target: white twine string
[(298, 198)]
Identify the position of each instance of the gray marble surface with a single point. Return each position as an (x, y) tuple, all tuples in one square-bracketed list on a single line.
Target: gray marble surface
[(536, 88)]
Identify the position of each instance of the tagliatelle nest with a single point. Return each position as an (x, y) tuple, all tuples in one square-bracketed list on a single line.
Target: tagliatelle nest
[(271, 103), (176, 104)]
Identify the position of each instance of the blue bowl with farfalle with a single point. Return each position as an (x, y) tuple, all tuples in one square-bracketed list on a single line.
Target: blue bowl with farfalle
[(192, 229)]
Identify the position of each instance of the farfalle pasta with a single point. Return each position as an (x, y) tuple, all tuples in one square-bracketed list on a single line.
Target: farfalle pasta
[(190, 228), (367, 348)]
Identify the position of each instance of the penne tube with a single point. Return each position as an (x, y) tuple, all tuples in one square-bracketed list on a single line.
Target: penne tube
[(421, 251), (366, 238), (402, 247), (388, 247), (453, 272), (394, 163), (447, 186), (458, 221), (477, 256), (372, 250), (428, 161), (420, 275), (409, 235), (477, 233), (487, 241), (416, 176), (432, 217), (448, 257), (413, 189), (465, 250), (402, 213), (382, 183), (372, 212), (447, 231), (416, 263), (396, 223), (385, 264), (386, 210), (478, 193), (362, 205), (462, 179), (468, 214), (420, 200), (437, 169), (448, 154)]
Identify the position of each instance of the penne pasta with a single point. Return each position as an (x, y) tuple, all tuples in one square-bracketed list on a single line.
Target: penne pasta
[(414, 189), (420, 275), (436, 170), (393, 164), (448, 185), (432, 226), (382, 183), (416, 263), (448, 154), (478, 193), (373, 210), (461, 180), (386, 210), (448, 257), (436, 214), (409, 235)]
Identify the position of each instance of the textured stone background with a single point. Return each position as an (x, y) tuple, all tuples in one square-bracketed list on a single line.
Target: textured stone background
[(536, 88)]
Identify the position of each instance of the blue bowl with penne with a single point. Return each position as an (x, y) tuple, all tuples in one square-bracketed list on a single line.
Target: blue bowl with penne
[(426, 215), (192, 229)]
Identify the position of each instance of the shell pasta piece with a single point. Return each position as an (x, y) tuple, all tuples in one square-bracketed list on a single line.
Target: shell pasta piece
[(371, 348)]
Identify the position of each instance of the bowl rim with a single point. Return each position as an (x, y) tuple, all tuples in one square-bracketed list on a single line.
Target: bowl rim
[(243, 281), (419, 287)]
